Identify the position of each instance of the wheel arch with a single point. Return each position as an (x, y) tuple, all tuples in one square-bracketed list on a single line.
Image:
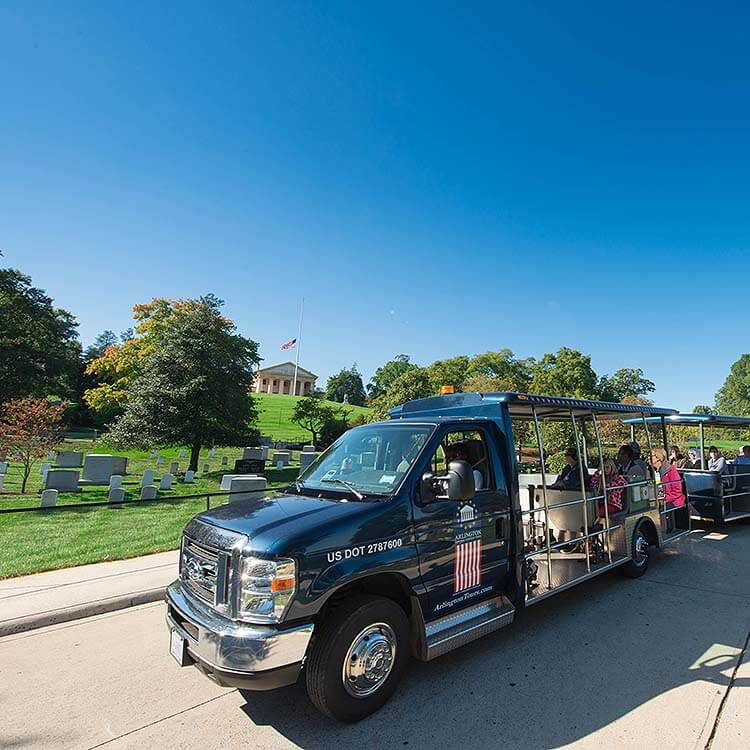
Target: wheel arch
[(650, 531), (391, 585)]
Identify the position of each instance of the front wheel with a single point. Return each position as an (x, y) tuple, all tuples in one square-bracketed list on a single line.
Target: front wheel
[(639, 551), (358, 656)]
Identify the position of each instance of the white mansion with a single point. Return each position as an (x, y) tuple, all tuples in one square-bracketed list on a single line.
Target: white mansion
[(280, 378)]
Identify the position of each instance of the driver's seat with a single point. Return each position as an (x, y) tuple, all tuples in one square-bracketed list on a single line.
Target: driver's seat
[(477, 458)]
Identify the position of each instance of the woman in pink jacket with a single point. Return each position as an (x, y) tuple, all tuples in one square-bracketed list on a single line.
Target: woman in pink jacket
[(670, 487)]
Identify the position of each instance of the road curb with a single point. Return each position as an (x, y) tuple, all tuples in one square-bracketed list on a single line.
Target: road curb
[(80, 611)]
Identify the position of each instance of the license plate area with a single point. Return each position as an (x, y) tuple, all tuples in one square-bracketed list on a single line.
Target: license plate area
[(178, 648)]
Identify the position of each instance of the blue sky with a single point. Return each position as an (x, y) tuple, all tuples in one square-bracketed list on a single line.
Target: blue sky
[(433, 179)]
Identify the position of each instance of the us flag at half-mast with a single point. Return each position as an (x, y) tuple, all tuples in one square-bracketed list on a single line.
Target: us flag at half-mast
[(289, 344)]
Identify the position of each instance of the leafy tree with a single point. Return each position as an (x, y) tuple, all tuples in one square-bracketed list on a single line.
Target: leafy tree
[(734, 396), (312, 414), (450, 371), (120, 364), (412, 384), (385, 376), (39, 349), (703, 409), (503, 369), (346, 385), (625, 383), (332, 429), (566, 373), (479, 383), (101, 343), (30, 428), (194, 387)]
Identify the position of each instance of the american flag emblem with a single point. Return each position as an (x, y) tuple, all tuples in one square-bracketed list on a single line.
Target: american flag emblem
[(468, 571), (289, 344)]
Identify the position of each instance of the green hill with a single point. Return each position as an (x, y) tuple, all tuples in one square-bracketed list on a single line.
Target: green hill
[(276, 415)]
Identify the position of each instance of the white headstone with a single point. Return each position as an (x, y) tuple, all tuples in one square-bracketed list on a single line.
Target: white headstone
[(182, 454), (3, 467), (160, 460), (165, 483), (284, 456), (308, 449), (116, 495), (305, 459), (246, 487), (226, 479), (211, 453), (98, 468), (148, 477), (44, 468), (174, 467), (64, 480), (259, 454), (115, 481), (224, 460), (206, 468), (70, 460), (189, 476), (49, 499), (154, 453), (148, 492), (2, 479)]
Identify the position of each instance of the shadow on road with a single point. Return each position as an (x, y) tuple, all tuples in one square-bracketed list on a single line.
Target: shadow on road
[(569, 666)]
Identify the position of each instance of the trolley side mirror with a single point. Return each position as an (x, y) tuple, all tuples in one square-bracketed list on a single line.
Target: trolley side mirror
[(459, 481)]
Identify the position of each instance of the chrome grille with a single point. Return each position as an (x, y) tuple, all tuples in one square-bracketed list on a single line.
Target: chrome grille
[(199, 570)]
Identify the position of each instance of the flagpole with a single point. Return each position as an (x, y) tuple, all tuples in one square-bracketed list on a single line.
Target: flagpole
[(299, 346)]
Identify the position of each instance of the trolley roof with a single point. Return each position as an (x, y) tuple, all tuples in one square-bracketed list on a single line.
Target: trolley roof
[(522, 405), (707, 420)]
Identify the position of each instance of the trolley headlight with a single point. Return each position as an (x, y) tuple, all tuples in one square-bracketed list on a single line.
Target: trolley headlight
[(266, 588)]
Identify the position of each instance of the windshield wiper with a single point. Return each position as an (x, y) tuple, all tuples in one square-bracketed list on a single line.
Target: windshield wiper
[(348, 485)]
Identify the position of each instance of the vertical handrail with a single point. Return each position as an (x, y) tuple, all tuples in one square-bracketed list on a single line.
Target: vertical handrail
[(606, 534), (703, 445), (544, 496), (653, 470), (583, 492), (208, 502)]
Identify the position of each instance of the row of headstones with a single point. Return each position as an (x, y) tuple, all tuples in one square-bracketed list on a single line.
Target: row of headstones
[(239, 486)]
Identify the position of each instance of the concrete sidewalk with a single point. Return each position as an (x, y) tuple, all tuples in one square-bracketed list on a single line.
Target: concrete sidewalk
[(57, 596)]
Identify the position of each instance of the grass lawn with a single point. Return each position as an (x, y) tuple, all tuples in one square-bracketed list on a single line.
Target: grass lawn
[(276, 416), (44, 540)]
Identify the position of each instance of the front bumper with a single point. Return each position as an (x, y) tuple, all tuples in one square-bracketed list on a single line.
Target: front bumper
[(236, 654)]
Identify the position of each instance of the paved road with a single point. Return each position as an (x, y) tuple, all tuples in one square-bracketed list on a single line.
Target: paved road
[(612, 663)]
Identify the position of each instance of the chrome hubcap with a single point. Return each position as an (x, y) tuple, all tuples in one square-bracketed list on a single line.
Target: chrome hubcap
[(641, 546), (369, 660)]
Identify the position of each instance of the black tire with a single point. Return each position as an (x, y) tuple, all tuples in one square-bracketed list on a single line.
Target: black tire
[(360, 620), (640, 552)]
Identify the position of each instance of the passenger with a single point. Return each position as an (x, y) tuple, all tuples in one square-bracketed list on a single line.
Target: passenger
[(570, 477), (632, 471), (677, 457), (637, 460), (694, 459), (744, 455), (670, 488), (613, 479), (716, 462)]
